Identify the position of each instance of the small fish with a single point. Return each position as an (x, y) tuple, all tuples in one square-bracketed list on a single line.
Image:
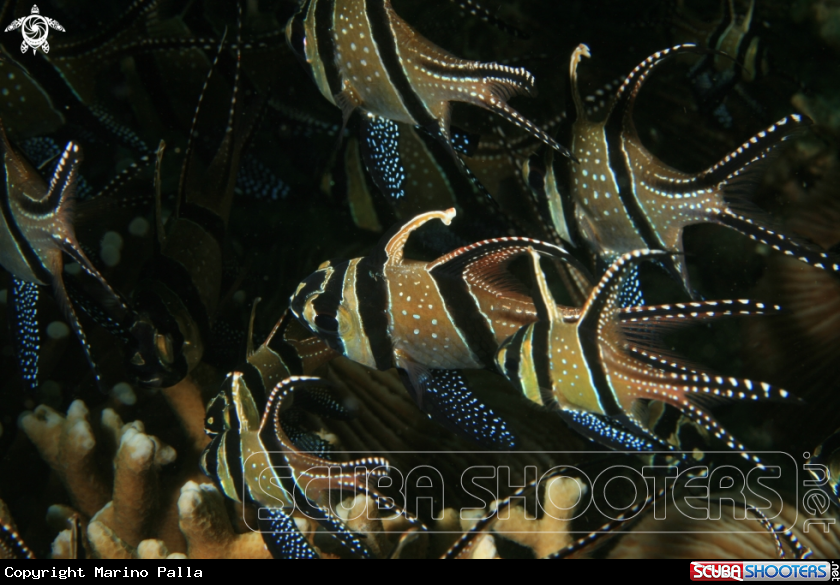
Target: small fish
[(828, 454), (279, 357), (737, 56), (622, 198), (387, 311), (592, 365), (36, 231), (176, 302), (253, 459), (362, 55)]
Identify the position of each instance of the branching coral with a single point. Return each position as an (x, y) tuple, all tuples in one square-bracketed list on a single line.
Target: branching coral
[(204, 522), (125, 498)]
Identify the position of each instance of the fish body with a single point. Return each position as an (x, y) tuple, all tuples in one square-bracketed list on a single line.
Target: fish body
[(432, 319), (622, 198), (737, 56), (386, 310), (175, 304), (592, 366), (36, 230), (428, 319), (253, 459), (361, 54)]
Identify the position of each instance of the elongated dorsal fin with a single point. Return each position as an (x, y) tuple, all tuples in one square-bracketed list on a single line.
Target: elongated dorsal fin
[(485, 264), (621, 110), (393, 249), (579, 53)]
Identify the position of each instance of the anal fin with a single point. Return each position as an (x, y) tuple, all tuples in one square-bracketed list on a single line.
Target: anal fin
[(24, 326), (609, 433), (446, 398), (380, 150), (282, 537)]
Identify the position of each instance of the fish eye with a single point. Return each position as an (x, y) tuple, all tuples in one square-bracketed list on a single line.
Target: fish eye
[(326, 322)]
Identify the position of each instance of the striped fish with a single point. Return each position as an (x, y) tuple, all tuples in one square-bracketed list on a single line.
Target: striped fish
[(35, 233), (828, 454), (621, 198), (597, 374), (363, 56), (737, 55), (253, 460), (385, 311), (176, 302), (289, 349)]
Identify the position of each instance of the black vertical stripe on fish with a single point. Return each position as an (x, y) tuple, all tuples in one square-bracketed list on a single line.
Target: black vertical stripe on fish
[(372, 296), (254, 379), (209, 459), (233, 460), (723, 24), (314, 283), (512, 364), (325, 27), (614, 135), (589, 330), (386, 44), (467, 317), (23, 246), (326, 307), (540, 354)]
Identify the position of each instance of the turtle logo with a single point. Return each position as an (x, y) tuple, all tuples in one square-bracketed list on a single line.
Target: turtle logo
[(35, 29)]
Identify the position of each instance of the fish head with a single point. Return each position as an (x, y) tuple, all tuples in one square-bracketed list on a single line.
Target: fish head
[(153, 357), (319, 303), (219, 418)]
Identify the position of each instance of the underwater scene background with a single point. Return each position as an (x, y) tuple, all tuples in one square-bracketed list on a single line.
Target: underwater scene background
[(216, 214)]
